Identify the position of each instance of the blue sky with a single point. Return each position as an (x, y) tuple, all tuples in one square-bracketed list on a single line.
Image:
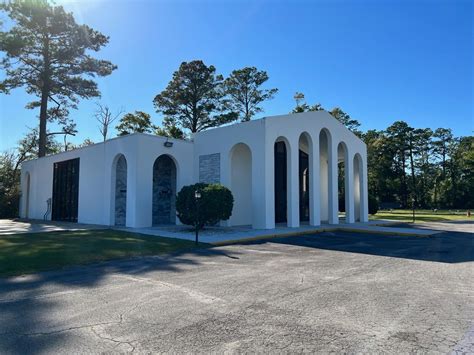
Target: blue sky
[(380, 61)]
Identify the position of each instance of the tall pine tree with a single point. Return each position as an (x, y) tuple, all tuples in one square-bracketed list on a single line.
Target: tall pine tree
[(47, 52)]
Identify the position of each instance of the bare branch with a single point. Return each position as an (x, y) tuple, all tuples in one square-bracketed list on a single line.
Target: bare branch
[(105, 117)]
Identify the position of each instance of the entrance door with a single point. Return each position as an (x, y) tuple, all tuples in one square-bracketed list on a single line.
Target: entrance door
[(65, 190)]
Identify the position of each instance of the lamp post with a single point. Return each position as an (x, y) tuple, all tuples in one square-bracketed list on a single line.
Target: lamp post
[(413, 206), (197, 197)]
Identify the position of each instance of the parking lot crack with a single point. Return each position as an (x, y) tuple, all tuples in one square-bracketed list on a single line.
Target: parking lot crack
[(58, 330), (116, 341)]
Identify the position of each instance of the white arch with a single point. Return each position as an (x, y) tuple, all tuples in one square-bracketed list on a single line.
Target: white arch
[(175, 161), (240, 157), (171, 194), (325, 144), (305, 144), (343, 157), (358, 188)]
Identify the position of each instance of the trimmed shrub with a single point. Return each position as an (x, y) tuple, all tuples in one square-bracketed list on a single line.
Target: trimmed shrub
[(215, 204)]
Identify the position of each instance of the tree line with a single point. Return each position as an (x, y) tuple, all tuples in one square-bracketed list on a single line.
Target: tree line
[(409, 166), (419, 166), (49, 54), (197, 98)]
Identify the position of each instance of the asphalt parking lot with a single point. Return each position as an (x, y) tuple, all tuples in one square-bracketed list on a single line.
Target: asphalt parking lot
[(331, 292)]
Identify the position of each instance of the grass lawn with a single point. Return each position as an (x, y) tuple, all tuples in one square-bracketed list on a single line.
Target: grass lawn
[(28, 253), (423, 216)]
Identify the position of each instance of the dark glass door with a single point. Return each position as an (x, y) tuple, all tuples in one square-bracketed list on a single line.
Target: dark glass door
[(280, 182), (65, 190), (304, 186)]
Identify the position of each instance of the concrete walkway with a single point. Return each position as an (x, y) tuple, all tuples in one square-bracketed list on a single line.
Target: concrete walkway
[(16, 226), (229, 235), (217, 235)]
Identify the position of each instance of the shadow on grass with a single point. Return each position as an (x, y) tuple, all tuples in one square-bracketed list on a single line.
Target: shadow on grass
[(422, 217), (24, 308), (27, 253)]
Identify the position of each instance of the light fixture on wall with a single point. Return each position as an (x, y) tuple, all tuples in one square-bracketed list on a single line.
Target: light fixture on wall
[(168, 144)]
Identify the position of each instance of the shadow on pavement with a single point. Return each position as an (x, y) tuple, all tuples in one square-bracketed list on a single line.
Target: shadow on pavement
[(27, 301), (447, 247)]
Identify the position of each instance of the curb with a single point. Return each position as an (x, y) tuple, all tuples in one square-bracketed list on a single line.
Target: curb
[(327, 229)]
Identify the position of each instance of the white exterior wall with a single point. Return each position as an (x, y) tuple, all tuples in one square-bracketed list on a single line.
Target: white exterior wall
[(222, 140), (260, 136), (290, 127), (97, 190), (96, 187)]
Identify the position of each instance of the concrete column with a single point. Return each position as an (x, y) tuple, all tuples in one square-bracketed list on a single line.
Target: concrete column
[(131, 191), (364, 196), (139, 191), (323, 185), (264, 181), (225, 172), (349, 187), (357, 188), (293, 184), (333, 196), (314, 183)]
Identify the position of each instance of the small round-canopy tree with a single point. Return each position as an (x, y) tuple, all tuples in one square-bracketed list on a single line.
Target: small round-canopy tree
[(138, 122), (215, 204)]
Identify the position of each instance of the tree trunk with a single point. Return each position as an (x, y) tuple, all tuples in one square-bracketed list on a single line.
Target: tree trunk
[(247, 113), (44, 99), (412, 169), (454, 185), (444, 162), (42, 123), (404, 182), (247, 109)]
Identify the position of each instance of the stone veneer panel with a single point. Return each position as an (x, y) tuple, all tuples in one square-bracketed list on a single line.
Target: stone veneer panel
[(210, 168), (164, 191), (121, 192)]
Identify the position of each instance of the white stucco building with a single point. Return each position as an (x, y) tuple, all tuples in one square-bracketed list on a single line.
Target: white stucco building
[(280, 169)]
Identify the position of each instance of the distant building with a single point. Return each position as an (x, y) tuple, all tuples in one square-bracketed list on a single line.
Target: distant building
[(280, 169)]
